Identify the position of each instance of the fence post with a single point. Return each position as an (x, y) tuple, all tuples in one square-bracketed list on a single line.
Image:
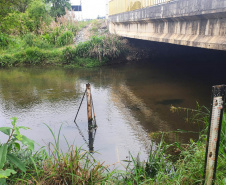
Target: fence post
[(212, 148)]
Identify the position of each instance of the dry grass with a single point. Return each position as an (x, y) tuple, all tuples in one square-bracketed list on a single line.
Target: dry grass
[(67, 22)]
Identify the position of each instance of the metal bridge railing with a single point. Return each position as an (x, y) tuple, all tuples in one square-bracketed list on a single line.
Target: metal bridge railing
[(120, 6)]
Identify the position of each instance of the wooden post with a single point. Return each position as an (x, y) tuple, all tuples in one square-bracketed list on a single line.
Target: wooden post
[(89, 104), (218, 99)]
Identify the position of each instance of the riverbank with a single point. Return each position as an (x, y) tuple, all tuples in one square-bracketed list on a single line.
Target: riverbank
[(78, 166), (89, 46)]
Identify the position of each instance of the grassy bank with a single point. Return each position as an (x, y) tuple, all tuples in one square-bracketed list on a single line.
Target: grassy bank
[(39, 39), (21, 165), (97, 51)]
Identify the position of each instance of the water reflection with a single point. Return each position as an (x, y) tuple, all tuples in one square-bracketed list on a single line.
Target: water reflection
[(24, 87), (91, 136), (131, 101)]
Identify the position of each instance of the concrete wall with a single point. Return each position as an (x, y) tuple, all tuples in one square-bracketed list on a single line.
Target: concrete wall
[(198, 23)]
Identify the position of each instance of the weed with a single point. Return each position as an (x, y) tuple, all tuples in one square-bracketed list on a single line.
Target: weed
[(34, 56), (77, 166), (9, 162), (102, 48), (4, 40), (29, 39), (65, 38), (68, 55)]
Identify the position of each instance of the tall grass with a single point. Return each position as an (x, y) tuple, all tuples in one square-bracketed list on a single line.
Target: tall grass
[(161, 167), (76, 166), (105, 47), (53, 167), (221, 167), (34, 49)]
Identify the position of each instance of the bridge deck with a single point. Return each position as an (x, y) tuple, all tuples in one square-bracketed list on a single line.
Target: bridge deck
[(198, 23)]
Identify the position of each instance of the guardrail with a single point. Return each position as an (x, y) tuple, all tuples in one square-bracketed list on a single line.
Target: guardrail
[(120, 6)]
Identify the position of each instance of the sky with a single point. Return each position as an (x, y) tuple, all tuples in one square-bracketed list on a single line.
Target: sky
[(91, 8)]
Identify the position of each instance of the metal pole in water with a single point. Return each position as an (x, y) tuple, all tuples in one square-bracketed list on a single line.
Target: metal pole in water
[(89, 103), (217, 107)]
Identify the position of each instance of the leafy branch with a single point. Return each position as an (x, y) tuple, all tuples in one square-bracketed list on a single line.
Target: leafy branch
[(12, 145)]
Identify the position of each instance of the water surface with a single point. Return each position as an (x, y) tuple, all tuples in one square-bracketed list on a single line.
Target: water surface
[(130, 100)]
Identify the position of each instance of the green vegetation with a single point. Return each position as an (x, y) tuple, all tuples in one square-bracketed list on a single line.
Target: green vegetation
[(94, 52), (54, 167), (58, 7), (79, 167), (10, 163), (94, 27), (32, 32), (103, 48)]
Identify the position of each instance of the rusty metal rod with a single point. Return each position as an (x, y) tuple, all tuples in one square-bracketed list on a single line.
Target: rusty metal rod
[(80, 106)]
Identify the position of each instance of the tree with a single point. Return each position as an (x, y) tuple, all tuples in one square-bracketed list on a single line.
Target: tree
[(58, 7), (37, 14), (22, 5), (5, 8), (9, 8)]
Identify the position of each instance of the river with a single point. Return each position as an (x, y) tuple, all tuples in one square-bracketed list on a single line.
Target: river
[(131, 102)]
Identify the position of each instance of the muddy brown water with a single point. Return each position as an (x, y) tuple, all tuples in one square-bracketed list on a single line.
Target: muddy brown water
[(131, 101)]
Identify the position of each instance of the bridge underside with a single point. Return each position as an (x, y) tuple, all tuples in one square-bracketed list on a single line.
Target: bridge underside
[(185, 22)]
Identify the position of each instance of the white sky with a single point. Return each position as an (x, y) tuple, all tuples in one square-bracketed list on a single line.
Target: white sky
[(92, 8)]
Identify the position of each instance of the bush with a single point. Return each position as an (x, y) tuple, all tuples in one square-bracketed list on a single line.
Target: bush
[(32, 40), (8, 61), (38, 14), (51, 37), (102, 48), (65, 38), (4, 40), (2, 62), (54, 56), (72, 60), (42, 44), (69, 55), (34, 56), (29, 39)]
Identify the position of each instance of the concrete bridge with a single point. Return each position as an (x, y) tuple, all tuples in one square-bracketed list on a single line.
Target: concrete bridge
[(197, 23)]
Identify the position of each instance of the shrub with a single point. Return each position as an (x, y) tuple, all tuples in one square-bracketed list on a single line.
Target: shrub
[(8, 61), (51, 36), (102, 48), (29, 39), (9, 162), (4, 40), (2, 62), (69, 55), (41, 43), (32, 40), (38, 14), (34, 56), (46, 37), (65, 38), (54, 56)]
